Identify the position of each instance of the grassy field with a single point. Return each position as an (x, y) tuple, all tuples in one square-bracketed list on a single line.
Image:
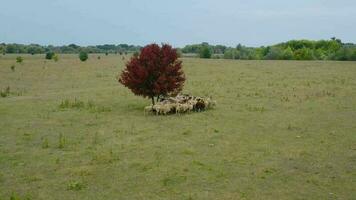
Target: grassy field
[(281, 130)]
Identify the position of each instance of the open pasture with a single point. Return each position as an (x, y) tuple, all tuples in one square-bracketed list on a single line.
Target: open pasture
[(280, 130)]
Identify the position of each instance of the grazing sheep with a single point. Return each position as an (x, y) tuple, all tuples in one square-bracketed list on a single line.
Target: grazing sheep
[(179, 108), (180, 104), (165, 109), (147, 109), (156, 108)]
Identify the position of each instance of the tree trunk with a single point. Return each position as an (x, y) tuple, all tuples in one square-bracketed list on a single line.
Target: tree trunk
[(153, 100), (157, 100)]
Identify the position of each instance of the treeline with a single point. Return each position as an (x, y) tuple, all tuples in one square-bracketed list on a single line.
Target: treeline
[(332, 49), (72, 48)]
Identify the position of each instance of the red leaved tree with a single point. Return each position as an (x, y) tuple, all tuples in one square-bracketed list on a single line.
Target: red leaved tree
[(155, 72)]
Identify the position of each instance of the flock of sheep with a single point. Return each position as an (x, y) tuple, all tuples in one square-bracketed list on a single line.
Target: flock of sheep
[(180, 104)]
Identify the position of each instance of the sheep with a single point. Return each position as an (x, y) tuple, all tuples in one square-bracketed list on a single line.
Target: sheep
[(165, 109), (180, 104), (162, 108), (147, 109), (179, 108)]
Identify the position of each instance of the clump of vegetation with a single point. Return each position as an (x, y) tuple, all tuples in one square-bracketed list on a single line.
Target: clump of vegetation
[(6, 92), (77, 104), (106, 53), (45, 143), (71, 104), (12, 68), (61, 141), (154, 73), (99, 57), (75, 185), (49, 55), (19, 59), (83, 56), (55, 58)]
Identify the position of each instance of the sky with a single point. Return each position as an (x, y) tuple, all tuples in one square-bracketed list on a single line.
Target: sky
[(139, 22)]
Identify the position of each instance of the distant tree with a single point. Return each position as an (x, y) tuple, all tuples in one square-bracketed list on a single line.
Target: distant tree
[(49, 55), (304, 54), (10, 48), (345, 54), (230, 53), (83, 56), (275, 53), (205, 52), (320, 54), (287, 54), (155, 72)]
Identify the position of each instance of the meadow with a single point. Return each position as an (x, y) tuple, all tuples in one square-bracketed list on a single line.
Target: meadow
[(280, 130)]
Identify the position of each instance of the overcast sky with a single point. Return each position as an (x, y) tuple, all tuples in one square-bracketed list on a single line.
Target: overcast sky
[(228, 22)]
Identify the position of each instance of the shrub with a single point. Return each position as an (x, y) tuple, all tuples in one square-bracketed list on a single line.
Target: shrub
[(12, 68), (205, 52), (6, 92), (155, 72), (55, 57), (49, 55), (106, 53), (83, 56), (19, 59)]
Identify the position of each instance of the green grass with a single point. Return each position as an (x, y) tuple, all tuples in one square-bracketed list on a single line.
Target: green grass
[(281, 130)]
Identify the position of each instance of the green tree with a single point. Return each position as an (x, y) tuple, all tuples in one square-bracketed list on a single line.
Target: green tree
[(287, 54), (205, 52), (304, 54), (275, 53)]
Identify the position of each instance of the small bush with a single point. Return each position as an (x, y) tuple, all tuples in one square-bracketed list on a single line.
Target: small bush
[(19, 59), (83, 56), (6, 92), (71, 104), (12, 68), (49, 55), (99, 57), (61, 141), (55, 58), (106, 53), (75, 185)]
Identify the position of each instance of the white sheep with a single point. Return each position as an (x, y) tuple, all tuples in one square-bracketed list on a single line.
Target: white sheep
[(147, 109)]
